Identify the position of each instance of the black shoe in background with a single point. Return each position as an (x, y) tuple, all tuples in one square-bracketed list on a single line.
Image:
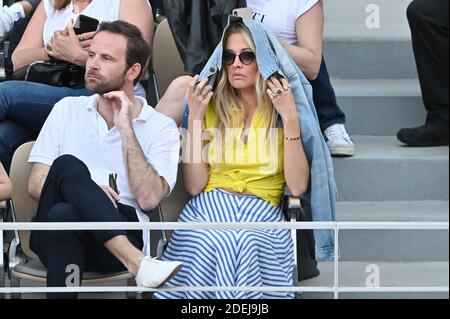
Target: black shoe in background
[(424, 136)]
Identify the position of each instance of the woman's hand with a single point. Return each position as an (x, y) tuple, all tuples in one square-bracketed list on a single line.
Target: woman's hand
[(198, 97), (86, 40), (282, 98), (65, 45)]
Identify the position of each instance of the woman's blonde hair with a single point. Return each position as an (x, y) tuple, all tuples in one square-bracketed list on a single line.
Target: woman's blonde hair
[(60, 4), (229, 107)]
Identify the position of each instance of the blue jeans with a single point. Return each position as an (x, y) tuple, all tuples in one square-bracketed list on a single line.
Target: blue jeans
[(24, 107), (328, 110)]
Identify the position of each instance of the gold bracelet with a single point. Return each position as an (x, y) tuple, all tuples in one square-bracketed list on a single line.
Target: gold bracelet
[(292, 138)]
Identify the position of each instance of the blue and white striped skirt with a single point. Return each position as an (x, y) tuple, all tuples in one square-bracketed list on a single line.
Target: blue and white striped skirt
[(226, 258)]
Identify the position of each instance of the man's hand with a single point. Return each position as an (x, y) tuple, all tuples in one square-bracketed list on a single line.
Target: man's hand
[(113, 196), (122, 109)]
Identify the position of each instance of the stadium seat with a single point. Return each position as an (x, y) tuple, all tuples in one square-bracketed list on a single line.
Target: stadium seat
[(23, 263)]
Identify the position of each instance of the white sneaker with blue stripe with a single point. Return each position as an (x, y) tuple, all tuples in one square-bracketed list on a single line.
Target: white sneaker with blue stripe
[(338, 141)]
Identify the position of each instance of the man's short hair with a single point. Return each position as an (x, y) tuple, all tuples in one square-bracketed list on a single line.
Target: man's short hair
[(138, 50)]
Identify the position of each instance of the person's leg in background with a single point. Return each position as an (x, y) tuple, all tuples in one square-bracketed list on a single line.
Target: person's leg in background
[(331, 117), (429, 22), (173, 101), (24, 107), (12, 135)]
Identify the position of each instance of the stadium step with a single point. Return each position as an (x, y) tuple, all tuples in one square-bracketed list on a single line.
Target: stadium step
[(394, 245), (380, 107), (384, 170), (357, 48), (358, 274)]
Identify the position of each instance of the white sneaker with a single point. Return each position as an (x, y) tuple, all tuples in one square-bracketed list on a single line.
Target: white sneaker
[(154, 273), (338, 141)]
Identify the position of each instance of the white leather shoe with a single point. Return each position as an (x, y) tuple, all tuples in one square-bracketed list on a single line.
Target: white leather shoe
[(154, 273)]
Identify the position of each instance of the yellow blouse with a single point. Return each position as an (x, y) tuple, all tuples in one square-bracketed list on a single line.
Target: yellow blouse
[(256, 167)]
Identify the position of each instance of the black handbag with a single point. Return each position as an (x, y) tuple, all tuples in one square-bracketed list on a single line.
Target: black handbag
[(306, 247), (306, 253), (54, 73)]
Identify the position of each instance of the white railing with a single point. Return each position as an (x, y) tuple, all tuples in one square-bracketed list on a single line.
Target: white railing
[(336, 226)]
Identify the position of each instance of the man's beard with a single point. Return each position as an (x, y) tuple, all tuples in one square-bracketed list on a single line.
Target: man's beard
[(102, 86)]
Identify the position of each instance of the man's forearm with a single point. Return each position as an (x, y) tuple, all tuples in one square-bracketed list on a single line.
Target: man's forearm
[(146, 184), (35, 186)]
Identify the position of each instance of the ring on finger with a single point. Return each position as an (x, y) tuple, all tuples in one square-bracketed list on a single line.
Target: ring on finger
[(49, 47), (273, 95), (206, 91)]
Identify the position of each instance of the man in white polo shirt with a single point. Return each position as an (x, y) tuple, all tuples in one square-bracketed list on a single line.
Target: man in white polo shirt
[(85, 143)]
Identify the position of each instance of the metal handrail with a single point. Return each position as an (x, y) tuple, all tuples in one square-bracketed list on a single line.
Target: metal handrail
[(336, 226), (252, 225)]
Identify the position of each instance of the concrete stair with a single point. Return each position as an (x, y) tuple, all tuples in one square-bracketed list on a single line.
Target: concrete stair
[(391, 275), (368, 61), (393, 245), (355, 49), (375, 78), (384, 170), (380, 107)]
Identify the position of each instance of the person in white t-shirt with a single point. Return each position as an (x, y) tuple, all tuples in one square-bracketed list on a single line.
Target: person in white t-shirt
[(299, 26), (104, 158)]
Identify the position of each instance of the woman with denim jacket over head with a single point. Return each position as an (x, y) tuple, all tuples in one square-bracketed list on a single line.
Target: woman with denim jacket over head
[(24, 106), (250, 160), (299, 26), (5, 184)]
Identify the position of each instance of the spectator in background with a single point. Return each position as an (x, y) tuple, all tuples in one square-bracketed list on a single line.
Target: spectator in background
[(299, 26), (429, 22), (24, 106), (5, 184), (16, 12)]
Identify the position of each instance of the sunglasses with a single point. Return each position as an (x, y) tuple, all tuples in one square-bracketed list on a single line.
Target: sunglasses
[(246, 57)]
